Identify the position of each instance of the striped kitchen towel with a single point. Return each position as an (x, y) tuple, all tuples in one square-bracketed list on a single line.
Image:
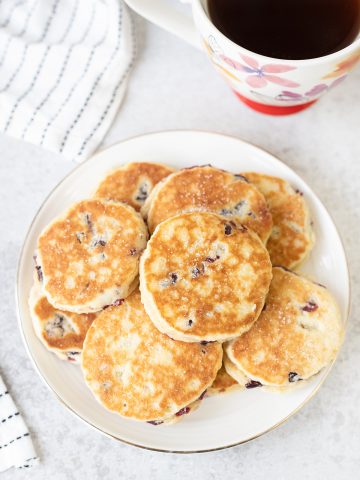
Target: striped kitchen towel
[(64, 65), (16, 448)]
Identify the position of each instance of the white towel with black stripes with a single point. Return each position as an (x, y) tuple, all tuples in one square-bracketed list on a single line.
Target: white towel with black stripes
[(64, 65), (16, 447)]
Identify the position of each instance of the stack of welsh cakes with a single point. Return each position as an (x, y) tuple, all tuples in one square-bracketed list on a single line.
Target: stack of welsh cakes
[(169, 286)]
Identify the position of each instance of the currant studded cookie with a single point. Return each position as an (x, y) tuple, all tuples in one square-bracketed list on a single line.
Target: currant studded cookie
[(223, 383), (209, 189), (204, 277), (62, 333), (292, 236), (89, 256), (140, 373), (297, 334), (132, 183)]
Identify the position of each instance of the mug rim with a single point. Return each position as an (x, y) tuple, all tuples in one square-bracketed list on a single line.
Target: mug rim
[(324, 59)]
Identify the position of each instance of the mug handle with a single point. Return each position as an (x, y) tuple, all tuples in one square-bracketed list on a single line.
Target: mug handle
[(168, 17)]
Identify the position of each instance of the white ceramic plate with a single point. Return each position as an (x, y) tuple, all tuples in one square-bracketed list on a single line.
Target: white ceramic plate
[(224, 420)]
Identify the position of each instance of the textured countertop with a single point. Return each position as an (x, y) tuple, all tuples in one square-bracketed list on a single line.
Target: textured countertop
[(173, 86)]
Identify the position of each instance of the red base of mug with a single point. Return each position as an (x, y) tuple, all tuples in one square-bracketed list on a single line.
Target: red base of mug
[(273, 109)]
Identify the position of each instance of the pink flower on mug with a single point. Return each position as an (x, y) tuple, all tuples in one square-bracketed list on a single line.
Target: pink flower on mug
[(259, 76), (310, 94)]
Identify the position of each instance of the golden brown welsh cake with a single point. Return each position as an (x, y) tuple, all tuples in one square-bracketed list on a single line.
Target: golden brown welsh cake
[(297, 334), (132, 183), (234, 372), (140, 373), (292, 235), (63, 333), (209, 189), (89, 256), (204, 277), (223, 383)]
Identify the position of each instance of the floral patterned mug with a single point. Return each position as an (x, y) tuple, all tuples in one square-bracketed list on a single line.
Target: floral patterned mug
[(269, 85)]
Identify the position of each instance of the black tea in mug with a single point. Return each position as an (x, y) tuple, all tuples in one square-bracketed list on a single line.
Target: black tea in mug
[(288, 29)]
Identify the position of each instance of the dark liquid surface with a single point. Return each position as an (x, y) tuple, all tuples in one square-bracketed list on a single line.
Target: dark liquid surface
[(288, 29)]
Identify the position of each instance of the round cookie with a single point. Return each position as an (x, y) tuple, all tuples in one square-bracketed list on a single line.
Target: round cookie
[(234, 372), (89, 257), (292, 235), (139, 373), (209, 189), (62, 333), (132, 183), (297, 334), (204, 277), (223, 383)]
